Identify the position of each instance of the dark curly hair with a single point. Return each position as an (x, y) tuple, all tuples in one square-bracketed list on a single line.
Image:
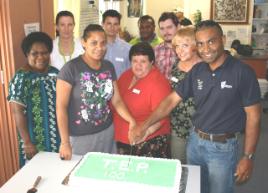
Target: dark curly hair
[(36, 37), (146, 18), (142, 48)]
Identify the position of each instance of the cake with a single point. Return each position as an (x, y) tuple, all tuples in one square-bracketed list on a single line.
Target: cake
[(102, 172)]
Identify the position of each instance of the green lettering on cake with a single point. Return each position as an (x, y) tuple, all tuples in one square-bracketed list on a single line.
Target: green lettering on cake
[(154, 172)]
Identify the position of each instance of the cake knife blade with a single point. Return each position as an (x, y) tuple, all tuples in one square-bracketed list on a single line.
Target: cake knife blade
[(131, 150), (65, 181)]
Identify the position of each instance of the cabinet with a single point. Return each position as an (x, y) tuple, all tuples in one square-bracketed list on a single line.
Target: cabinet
[(260, 27), (258, 63)]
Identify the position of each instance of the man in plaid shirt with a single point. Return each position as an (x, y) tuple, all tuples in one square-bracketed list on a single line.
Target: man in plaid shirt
[(165, 55)]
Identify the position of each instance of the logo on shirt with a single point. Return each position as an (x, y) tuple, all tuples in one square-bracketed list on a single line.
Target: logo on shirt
[(199, 84), (225, 85)]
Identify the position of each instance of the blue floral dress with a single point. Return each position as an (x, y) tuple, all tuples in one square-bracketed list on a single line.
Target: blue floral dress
[(181, 115), (37, 93)]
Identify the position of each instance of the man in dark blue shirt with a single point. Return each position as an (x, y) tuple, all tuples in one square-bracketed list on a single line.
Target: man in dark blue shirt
[(227, 98)]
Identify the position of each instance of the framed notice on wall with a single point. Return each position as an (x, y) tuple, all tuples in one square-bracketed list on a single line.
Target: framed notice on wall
[(135, 8), (31, 27), (230, 11)]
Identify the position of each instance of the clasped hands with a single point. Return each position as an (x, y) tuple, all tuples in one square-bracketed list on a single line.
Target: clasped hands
[(138, 134)]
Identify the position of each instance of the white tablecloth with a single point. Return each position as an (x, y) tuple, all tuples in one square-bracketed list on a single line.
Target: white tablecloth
[(53, 171)]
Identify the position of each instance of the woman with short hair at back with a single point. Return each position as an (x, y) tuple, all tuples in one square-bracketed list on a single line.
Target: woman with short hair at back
[(32, 95), (142, 88)]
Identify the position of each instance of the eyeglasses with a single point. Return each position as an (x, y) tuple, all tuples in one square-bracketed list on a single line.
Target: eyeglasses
[(35, 54)]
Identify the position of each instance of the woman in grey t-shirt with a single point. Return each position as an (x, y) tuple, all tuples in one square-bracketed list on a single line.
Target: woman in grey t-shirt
[(85, 86)]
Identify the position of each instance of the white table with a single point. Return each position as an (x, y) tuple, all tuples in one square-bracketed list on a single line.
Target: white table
[(53, 171)]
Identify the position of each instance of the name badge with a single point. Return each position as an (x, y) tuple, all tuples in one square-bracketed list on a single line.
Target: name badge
[(136, 91), (52, 74), (119, 59), (174, 79)]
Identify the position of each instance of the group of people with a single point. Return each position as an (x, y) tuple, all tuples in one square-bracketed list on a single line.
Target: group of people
[(182, 96)]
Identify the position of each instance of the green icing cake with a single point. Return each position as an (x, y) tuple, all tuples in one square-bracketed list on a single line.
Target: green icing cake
[(134, 169)]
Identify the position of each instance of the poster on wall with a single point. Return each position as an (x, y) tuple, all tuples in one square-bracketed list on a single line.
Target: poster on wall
[(134, 8), (31, 27), (230, 11)]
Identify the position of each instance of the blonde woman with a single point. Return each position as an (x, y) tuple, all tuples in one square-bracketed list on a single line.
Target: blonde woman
[(185, 46)]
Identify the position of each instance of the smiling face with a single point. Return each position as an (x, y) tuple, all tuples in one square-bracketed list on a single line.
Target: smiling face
[(111, 25), (168, 30), (38, 57), (95, 45), (65, 27), (185, 48), (141, 65), (146, 28), (210, 45)]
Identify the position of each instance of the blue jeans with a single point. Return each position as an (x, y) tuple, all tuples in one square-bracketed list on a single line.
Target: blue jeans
[(217, 161)]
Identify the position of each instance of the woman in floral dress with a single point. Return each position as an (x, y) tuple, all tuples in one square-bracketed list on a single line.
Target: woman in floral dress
[(185, 45), (32, 94)]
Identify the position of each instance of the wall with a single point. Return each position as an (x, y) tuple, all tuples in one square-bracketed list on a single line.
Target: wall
[(156, 7), (70, 5), (13, 15), (243, 32), (150, 7), (29, 11)]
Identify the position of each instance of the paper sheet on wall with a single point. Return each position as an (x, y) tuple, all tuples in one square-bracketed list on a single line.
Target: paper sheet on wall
[(31, 27), (239, 33)]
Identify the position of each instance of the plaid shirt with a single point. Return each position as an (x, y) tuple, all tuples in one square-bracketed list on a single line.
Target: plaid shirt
[(165, 57)]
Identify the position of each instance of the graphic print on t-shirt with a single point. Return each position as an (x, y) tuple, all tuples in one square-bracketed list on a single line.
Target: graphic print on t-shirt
[(96, 90)]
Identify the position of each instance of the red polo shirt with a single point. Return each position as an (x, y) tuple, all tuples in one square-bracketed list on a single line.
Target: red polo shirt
[(141, 100)]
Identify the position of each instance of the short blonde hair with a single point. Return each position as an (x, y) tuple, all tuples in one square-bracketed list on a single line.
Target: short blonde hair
[(185, 32)]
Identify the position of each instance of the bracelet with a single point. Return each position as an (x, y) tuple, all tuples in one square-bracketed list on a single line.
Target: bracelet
[(65, 143)]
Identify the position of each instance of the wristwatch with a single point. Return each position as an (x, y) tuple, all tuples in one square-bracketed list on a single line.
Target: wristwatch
[(249, 156)]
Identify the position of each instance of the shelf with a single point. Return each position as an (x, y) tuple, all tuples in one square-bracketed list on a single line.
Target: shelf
[(258, 48), (261, 4), (260, 19), (258, 34)]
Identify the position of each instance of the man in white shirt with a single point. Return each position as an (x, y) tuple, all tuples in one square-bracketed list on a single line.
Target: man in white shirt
[(117, 49)]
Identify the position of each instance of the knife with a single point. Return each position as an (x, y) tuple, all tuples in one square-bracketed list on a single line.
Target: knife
[(65, 181), (131, 151)]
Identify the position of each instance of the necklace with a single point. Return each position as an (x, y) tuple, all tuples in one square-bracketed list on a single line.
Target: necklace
[(63, 55)]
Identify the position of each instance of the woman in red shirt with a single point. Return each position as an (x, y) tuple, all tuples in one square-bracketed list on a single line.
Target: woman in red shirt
[(142, 88)]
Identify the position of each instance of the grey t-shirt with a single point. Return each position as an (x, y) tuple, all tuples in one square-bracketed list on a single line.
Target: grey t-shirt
[(88, 110)]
